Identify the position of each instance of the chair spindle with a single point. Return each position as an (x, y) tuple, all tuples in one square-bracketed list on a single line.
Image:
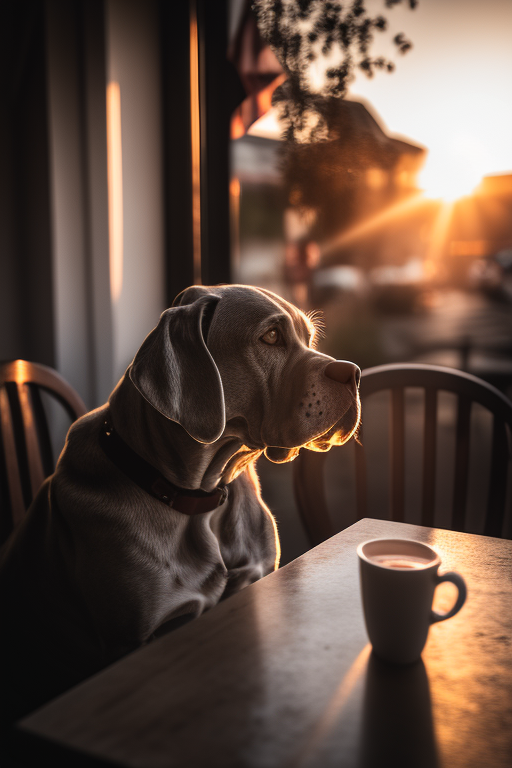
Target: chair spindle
[(429, 457), (311, 490), (397, 454), (17, 502), (31, 442), (360, 456), (497, 496), (460, 485)]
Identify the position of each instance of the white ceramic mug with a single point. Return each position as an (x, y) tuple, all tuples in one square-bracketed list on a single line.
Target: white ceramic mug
[(398, 579)]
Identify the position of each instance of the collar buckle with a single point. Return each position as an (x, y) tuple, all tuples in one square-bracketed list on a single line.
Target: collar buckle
[(163, 491)]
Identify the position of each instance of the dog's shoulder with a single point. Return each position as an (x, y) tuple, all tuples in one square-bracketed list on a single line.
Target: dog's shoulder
[(247, 530), (84, 477), (83, 436)]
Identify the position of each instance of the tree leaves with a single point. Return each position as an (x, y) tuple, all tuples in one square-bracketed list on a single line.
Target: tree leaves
[(334, 37)]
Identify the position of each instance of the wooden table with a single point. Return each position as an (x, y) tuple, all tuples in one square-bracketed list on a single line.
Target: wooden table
[(281, 675)]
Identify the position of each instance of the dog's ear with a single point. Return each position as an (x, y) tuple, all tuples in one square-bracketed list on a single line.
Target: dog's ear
[(191, 294), (175, 372)]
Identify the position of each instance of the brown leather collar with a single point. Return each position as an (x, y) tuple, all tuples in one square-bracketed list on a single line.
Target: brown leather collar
[(147, 477)]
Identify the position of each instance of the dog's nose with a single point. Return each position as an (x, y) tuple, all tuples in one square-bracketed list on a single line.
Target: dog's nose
[(344, 372)]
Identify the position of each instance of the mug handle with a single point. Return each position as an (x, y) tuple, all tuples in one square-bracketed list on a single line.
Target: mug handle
[(459, 582)]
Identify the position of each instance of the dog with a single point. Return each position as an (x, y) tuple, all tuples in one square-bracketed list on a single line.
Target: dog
[(154, 511)]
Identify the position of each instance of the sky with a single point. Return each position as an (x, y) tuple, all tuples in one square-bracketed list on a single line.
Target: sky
[(452, 93)]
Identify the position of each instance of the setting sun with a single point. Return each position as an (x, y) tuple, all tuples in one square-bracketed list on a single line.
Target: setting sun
[(446, 96), (443, 96), (448, 181)]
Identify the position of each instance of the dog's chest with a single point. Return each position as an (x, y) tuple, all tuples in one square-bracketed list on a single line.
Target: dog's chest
[(204, 555), (189, 573)]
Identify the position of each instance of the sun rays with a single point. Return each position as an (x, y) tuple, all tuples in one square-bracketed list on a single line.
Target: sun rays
[(367, 227)]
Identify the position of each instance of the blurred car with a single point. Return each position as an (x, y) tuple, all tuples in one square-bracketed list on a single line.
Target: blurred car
[(329, 282), (493, 274), (504, 258), (397, 288)]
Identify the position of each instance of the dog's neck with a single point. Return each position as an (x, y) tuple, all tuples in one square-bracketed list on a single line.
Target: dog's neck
[(170, 449)]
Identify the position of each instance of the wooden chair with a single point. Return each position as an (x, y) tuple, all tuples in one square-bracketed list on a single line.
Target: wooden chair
[(308, 478), (26, 456)]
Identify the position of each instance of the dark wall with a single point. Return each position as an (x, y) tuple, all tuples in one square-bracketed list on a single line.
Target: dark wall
[(175, 51), (26, 297), (221, 91)]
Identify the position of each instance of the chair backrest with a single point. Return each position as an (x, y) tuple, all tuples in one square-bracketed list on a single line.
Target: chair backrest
[(309, 485), (26, 456)]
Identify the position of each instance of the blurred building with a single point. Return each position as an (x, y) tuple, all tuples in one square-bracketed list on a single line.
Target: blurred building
[(480, 227), (316, 199), (359, 181)]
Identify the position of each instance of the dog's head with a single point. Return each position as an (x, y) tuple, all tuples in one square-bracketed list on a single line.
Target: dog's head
[(239, 360)]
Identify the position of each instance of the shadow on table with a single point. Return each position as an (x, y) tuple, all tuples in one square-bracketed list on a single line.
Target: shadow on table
[(397, 722)]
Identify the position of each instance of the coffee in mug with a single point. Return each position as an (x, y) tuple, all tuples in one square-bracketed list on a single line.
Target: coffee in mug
[(398, 579), (400, 562)]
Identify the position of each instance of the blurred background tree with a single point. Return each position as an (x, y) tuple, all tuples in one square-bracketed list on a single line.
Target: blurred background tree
[(331, 144), (335, 38)]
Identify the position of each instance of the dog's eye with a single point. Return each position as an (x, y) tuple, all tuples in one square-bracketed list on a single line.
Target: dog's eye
[(271, 336)]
